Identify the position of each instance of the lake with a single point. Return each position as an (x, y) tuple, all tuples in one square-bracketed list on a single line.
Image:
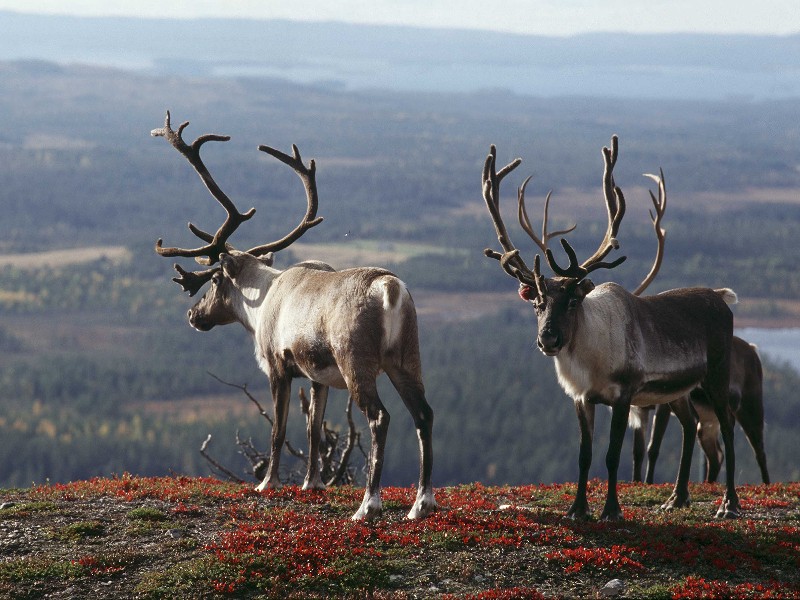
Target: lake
[(778, 345)]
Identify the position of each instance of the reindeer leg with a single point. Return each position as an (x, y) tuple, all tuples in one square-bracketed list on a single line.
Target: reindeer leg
[(751, 417), (366, 398), (708, 430), (680, 495), (580, 506), (729, 508), (619, 423), (319, 398), (411, 390), (659, 428), (716, 387), (708, 435), (639, 417), (281, 389)]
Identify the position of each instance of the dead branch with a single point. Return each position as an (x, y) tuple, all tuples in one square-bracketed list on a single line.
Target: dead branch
[(216, 466)]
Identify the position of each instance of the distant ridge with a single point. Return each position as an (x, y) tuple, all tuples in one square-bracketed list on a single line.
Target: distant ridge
[(690, 66)]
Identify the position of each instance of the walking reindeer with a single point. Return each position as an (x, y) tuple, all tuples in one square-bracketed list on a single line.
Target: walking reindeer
[(612, 347), (336, 328), (745, 395)]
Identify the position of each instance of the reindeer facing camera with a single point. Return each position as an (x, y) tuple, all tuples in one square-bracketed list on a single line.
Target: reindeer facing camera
[(339, 329), (615, 348)]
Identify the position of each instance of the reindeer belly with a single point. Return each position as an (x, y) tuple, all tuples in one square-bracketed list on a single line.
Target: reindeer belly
[(666, 387), (330, 376), (599, 382), (316, 363), (669, 371)]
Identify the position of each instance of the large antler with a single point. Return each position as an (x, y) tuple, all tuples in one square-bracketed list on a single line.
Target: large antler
[(615, 207), (510, 259), (217, 243), (308, 176), (525, 222), (660, 206), (192, 281)]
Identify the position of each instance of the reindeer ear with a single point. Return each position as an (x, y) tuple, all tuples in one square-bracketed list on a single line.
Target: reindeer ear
[(584, 287), (267, 258), (230, 265)]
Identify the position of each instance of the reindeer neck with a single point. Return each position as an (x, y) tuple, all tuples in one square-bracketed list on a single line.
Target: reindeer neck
[(600, 323), (252, 296), (596, 346)]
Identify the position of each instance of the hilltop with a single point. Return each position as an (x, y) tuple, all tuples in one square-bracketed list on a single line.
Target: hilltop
[(130, 537)]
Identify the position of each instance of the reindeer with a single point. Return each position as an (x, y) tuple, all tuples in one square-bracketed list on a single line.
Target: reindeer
[(336, 328), (614, 348), (745, 397), (747, 406)]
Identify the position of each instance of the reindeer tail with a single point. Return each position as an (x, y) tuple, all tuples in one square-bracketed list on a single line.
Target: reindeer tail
[(728, 295)]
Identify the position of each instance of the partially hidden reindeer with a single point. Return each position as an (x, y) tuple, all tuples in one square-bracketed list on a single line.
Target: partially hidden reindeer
[(747, 405), (745, 396), (614, 348), (336, 328)]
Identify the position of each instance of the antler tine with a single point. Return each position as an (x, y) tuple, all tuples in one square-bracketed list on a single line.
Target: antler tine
[(308, 176), (525, 222), (216, 243), (660, 206), (491, 193), (192, 281), (615, 208), (510, 259)]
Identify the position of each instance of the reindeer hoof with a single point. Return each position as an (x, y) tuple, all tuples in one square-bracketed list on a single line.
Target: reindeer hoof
[(612, 515), (275, 485), (676, 501), (578, 513), (314, 485), (369, 510), (729, 512), (612, 511), (728, 508), (424, 505)]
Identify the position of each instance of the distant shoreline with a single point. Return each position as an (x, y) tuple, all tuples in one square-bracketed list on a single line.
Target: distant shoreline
[(656, 66), (779, 345)]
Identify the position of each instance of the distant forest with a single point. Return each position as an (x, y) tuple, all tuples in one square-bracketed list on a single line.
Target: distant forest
[(97, 363)]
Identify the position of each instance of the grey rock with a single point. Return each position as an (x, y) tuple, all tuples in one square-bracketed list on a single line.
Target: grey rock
[(612, 589)]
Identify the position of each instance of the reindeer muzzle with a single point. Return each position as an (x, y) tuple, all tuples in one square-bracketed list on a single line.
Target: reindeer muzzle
[(549, 343), (197, 321)]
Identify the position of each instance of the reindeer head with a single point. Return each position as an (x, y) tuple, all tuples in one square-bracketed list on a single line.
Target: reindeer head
[(229, 279), (238, 282), (557, 300), (556, 307)]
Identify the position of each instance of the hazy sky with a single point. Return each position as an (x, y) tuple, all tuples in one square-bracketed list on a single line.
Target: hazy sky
[(554, 17)]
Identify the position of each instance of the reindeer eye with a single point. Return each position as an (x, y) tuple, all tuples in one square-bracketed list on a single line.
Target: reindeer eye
[(216, 278)]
